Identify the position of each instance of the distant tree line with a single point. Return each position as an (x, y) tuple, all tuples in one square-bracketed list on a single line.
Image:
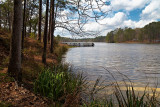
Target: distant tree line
[(96, 39), (148, 34)]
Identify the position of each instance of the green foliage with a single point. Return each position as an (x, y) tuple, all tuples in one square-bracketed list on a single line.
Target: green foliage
[(58, 38), (96, 39), (99, 39), (110, 37), (150, 34), (131, 100), (126, 98), (57, 82)]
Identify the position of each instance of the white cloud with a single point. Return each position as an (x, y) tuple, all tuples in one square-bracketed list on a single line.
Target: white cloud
[(151, 11), (128, 4), (138, 24), (116, 20), (150, 14)]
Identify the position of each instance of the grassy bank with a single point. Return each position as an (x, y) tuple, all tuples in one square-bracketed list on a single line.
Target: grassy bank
[(32, 53), (66, 89), (32, 66), (56, 85)]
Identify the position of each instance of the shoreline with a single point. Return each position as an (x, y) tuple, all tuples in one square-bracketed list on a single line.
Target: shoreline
[(135, 42)]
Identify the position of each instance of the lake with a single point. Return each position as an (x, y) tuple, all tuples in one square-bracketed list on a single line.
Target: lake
[(139, 62)]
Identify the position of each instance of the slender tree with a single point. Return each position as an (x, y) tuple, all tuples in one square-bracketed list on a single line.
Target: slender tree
[(52, 25), (8, 14), (45, 34), (24, 24), (0, 15), (40, 19), (14, 68)]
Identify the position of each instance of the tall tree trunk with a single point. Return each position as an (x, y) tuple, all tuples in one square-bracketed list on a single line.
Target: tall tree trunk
[(24, 24), (30, 18), (52, 26), (50, 23), (14, 68), (45, 34), (40, 19), (9, 21), (0, 17)]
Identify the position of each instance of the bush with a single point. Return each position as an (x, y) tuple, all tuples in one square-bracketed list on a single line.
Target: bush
[(57, 83), (59, 51)]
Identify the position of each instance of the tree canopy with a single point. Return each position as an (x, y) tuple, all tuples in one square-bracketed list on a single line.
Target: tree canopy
[(149, 33)]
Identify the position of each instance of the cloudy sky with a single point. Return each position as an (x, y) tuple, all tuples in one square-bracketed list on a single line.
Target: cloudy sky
[(125, 13)]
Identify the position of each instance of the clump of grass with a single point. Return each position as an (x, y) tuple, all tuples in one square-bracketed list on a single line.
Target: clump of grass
[(132, 99), (125, 98), (59, 84), (129, 98)]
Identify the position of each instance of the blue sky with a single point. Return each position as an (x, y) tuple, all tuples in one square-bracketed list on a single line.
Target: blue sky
[(126, 13), (135, 14)]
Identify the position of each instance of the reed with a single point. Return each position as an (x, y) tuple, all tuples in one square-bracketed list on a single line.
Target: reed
[(127, 98), (66, 88), (58, 83)]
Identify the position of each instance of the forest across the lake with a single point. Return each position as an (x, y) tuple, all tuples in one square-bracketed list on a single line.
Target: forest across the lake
[(148, 34)]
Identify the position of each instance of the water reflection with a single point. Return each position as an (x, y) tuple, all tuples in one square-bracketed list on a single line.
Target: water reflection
[(140, 62)]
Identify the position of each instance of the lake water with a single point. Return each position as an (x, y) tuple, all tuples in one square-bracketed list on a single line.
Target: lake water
[(139, 62)]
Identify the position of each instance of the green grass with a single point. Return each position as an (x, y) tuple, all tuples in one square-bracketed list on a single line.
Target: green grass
[(59, 83), (127, 98), (65, 88)]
